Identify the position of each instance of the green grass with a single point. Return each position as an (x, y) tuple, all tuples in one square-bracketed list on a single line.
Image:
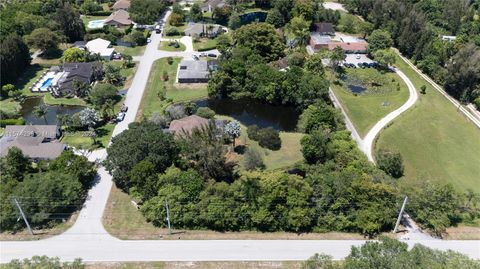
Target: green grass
[(436, 141), (151, 101), (205, 44), (50, 100), (341, 26), (367, 108), (164, 45), (29, 77), (132, 51), (10, 107)]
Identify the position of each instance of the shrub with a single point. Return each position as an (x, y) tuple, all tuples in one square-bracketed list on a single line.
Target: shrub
[(253, 160), (476, 102), (170, 60), (205, 112), (390, 162), (423, 89), (169, 31), (19, 121), (164, 76), (269, 138), (252, 132)]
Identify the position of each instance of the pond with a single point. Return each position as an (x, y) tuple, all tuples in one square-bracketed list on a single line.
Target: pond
[(52, 111), (249, 111), (356, 89)]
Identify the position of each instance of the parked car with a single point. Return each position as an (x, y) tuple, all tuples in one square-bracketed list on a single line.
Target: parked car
[(203, 54), (149, 40), (212, 55), (120, 116), (195, 57), (358, 57), (117, 56), (124, 108)]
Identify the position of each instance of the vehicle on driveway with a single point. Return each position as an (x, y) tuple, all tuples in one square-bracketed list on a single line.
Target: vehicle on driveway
[(158, 30), (212, 55), (120, 116), (124, 108), (149, 40)]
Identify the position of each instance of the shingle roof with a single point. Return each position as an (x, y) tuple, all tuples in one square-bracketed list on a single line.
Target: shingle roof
[(193, 69), (120, 16), (320, 39), (324, 27), (47, 131), (348, 46), (121, 4), (200, 28), (187, 125)]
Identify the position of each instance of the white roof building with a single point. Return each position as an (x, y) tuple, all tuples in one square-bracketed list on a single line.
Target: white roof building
[(101, 47)]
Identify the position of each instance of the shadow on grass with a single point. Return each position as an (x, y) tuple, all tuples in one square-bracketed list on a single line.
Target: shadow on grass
[(30, 73)]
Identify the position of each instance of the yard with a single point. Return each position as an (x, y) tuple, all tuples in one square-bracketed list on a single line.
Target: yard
[(436, 141), (132, 51), (170, 46), (380, 97), (204, 44), (83, 139), (151, 101)]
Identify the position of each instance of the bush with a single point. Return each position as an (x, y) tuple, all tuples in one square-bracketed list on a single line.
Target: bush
[(390, 162), (205, 112), (252, 132), (269, 138), (476, 102), (19, 121), (423, 89), (170, 60), (169, 31), (253, 160)]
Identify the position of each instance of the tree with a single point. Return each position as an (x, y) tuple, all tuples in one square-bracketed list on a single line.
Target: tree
[(385, 57), (144, 180), (137, 38), (305, 8), (300, 29), (269, 138), (318, 261), (112, 74), (176, 19), (224, 43), (80, 88), (275, 18), (102, 93), (261, 38), (141, 141), (146, 11), (41, 111), (15, 58), (315, 146), (127, 61), (74, 55), (15, 165), (76, 166), (253, 160), (379, 40), (233, 130), (69, 22), (423, 89), (337, 56), (234, 21), (366, 28), (222, 14), (319, 116), (6, 90), (314, 64), (89, 7), (390, 162), (43, 39), (89, 117), (195, 13), (205, 112)]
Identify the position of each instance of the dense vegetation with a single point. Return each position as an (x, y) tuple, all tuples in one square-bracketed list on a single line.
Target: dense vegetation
[(48, 192), (393, 254), (44, 262), (417, 28)]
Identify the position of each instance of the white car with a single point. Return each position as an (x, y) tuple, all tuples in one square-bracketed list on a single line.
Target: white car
[(358, 57), (149, 40), (120, 116)]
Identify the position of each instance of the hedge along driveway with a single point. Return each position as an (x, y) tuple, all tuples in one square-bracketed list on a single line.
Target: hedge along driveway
[(436, 141)]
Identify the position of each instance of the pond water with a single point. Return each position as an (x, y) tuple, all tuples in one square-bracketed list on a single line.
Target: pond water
[(52, 111), (356, 89), (249, 111)]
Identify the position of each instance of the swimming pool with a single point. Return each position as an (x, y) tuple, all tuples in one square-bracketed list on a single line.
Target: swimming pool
[(95, 24), (47, 83)]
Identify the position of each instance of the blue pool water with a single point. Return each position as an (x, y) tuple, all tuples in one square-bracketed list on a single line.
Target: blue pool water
[(46, 83), (96, 24)]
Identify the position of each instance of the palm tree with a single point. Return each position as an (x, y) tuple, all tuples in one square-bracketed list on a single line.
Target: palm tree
[(41, 111), (299, 28)]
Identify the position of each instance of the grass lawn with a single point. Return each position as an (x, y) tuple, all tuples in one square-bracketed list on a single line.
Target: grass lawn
[(436, 141), (123, 220), (50, 100), (87, 18), (205, 44), (368, 108), (132, 51), (83, 140), (165, 45), (10, 107), (151, 101), (29, 77)]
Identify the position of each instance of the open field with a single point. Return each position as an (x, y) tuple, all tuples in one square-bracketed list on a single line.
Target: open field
[(132, 51), (366, 109), (199, 265), (121, 219), (165, 45), (151, 101), (436, 141)]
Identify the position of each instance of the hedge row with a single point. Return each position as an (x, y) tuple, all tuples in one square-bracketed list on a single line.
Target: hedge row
[(5, 122)]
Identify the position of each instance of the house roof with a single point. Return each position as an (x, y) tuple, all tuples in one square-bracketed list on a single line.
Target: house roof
[(187, 125), (214, 3), (76, 71), (43, 131), (320, 39), (193, 69), (199, 28), (348, 46), (100, 46), (79, 44), (121, 4), (120, 16), (324, 27)]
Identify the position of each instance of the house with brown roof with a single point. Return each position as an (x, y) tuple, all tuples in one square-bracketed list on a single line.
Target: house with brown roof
[(350, 48), (121, 5), (119, 18), (324, 28), (185, 126), (318, 41), (38, 142)]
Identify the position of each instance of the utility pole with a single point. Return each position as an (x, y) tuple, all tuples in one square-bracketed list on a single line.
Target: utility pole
[(168, 216), (23, 215), (400, 214)]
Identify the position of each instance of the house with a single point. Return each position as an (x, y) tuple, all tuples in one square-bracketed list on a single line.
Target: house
[(350, 48), (190, 71), (121, 5), (318, 41), (324, 28), (210, 5), (185, 126), (38, 142), (63, 82), (203, 30), (119, 19), (80, 44), (101, 47), (449, 38)]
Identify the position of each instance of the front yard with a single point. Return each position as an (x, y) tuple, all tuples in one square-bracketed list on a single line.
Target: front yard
[(132, 51), (204, 44), (171, 46)]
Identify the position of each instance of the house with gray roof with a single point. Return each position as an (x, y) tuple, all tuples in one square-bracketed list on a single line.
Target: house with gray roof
[(190, 71), (38, 142), (203, 30), (318, 41), (210, 5), (63, 83)]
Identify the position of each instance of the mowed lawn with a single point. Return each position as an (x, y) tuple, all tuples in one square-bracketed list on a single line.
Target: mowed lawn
[(436, 141), (151, 101), (132, 51), (365, 110)]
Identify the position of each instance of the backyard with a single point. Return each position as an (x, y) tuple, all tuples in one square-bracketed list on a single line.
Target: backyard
[(367, 95), (151, 100), (436, 141), (203, 44)]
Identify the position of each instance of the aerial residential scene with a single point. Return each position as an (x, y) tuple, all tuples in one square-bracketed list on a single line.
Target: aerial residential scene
[(239, 134)]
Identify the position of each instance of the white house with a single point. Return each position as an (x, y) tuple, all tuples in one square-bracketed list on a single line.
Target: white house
[(101, 47)]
